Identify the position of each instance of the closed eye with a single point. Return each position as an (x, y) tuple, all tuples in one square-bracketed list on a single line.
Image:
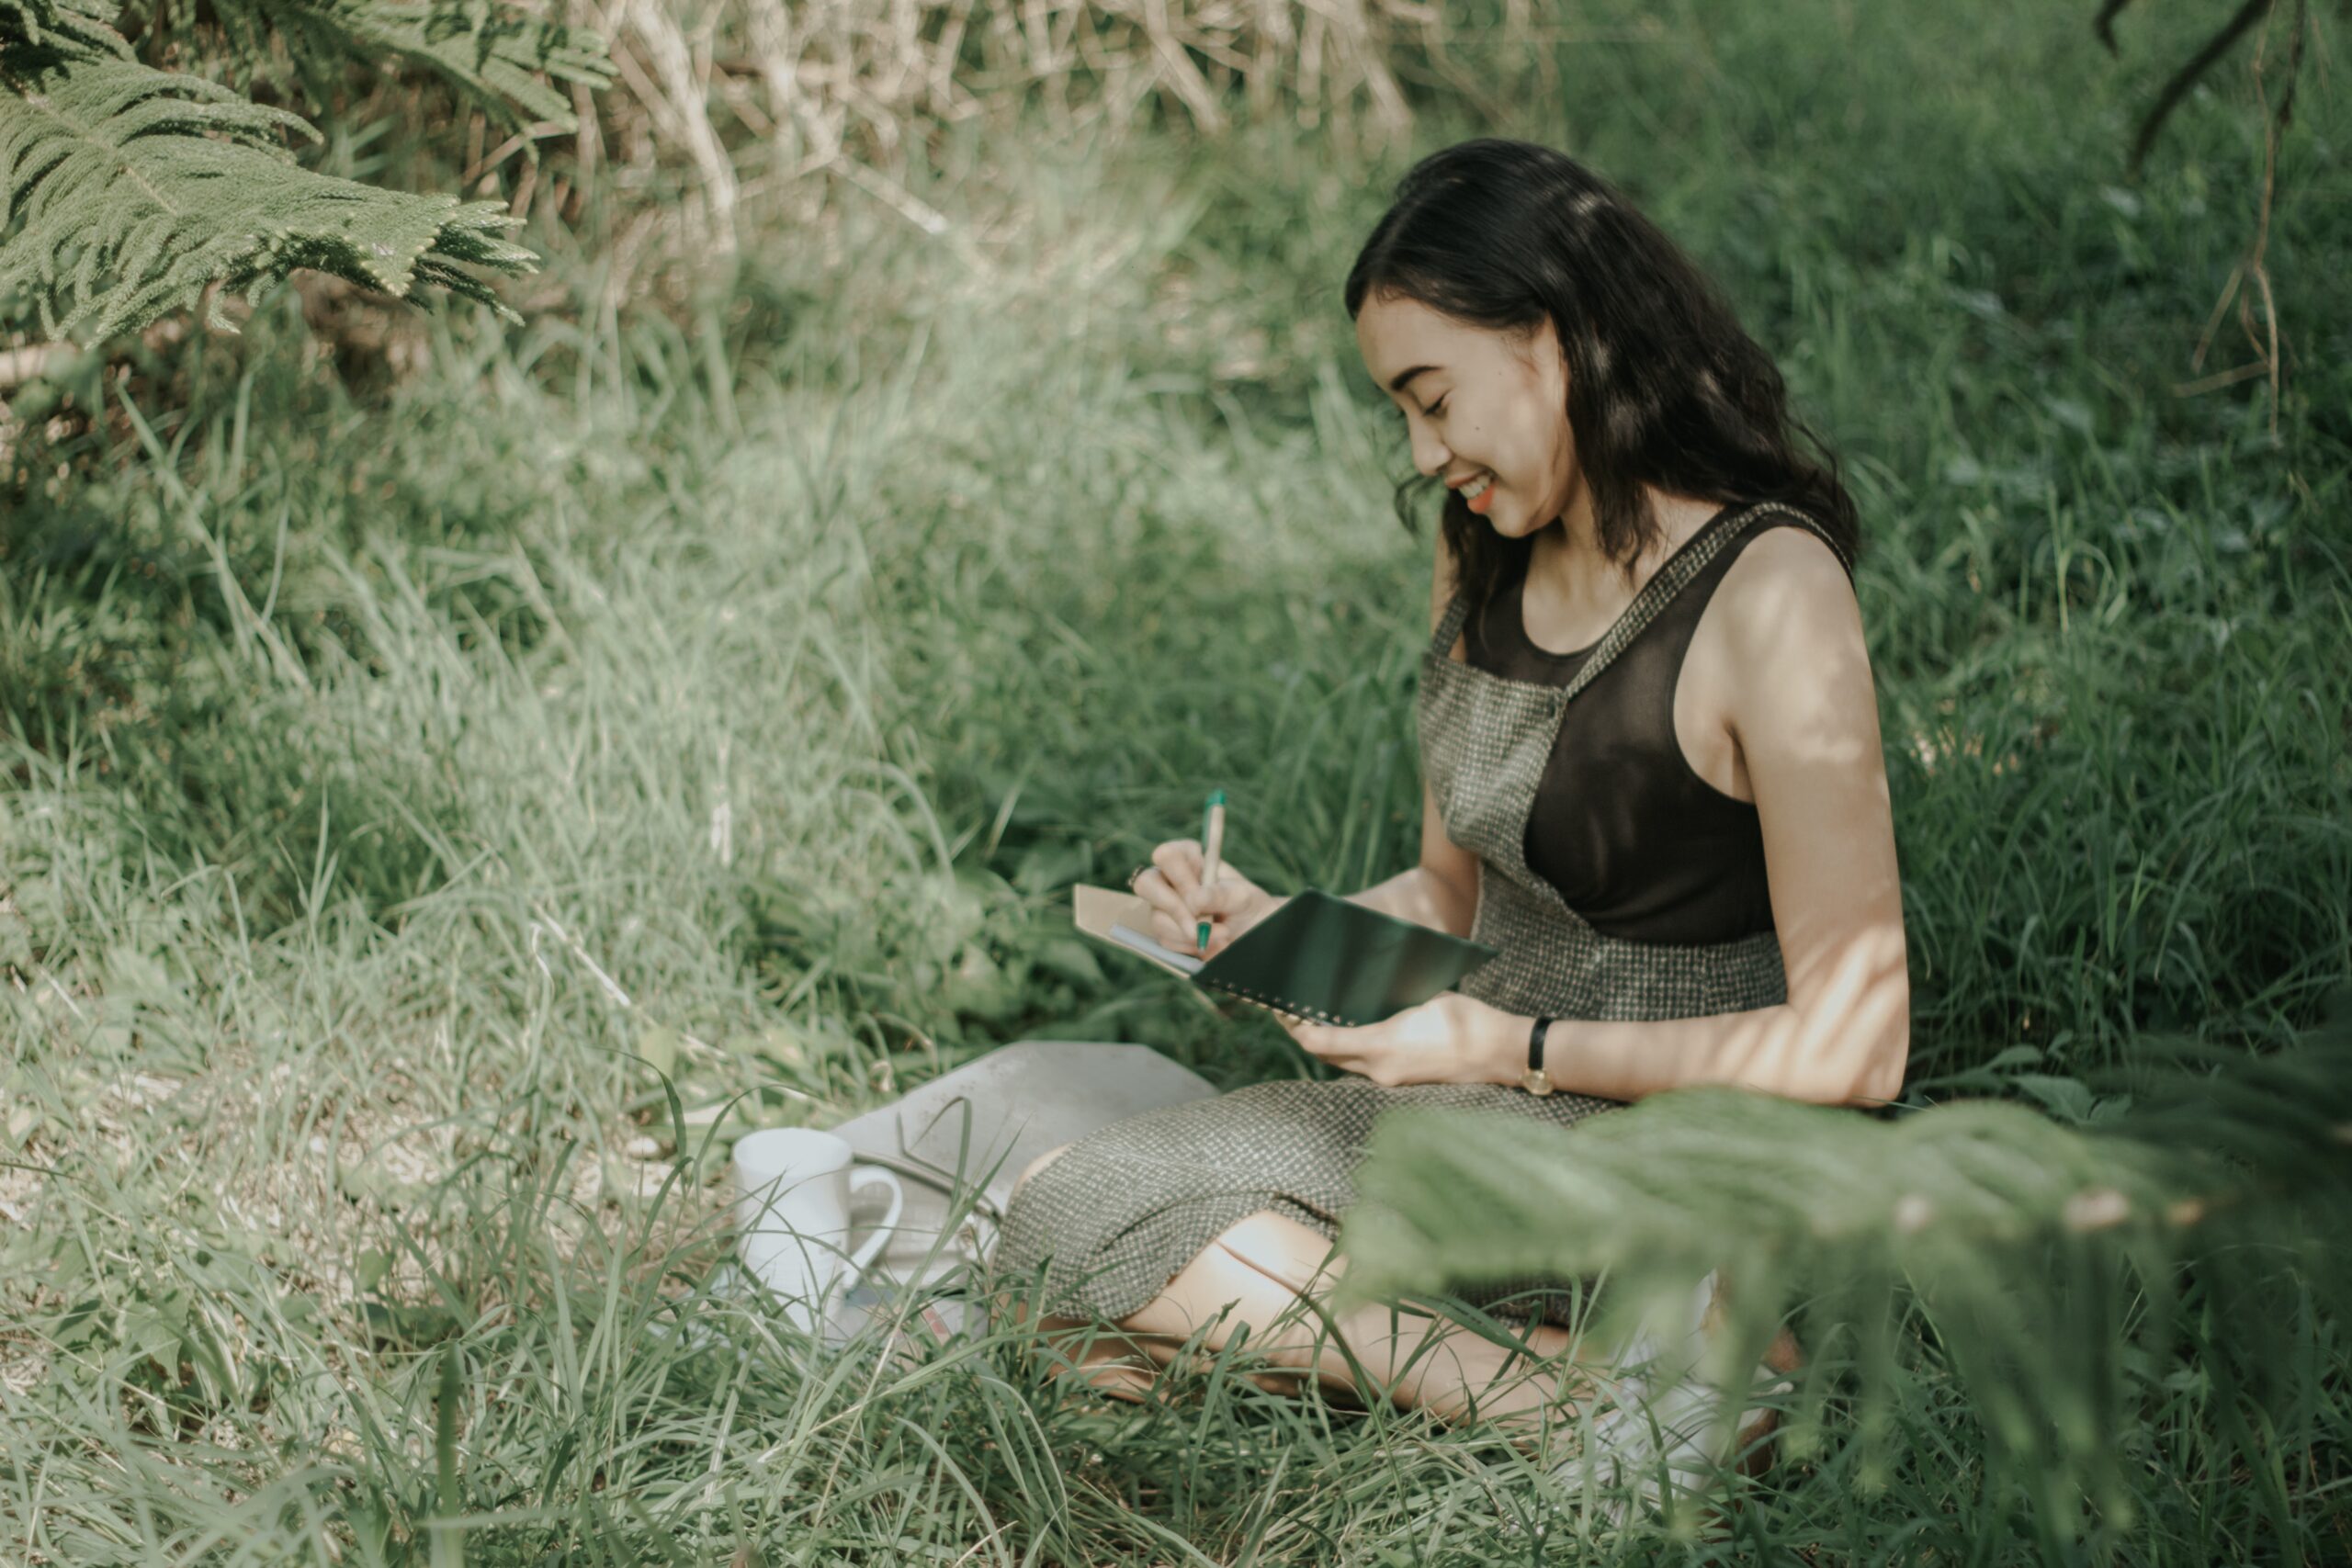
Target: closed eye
[(1438, 407)]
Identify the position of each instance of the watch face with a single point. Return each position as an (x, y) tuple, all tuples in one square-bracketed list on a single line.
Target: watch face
[(1536, 1081)]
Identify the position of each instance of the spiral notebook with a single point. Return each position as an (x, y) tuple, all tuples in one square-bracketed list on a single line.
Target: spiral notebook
[(1318, 957)]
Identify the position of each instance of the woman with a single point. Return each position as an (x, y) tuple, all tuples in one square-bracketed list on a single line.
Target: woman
[(1650, 746)]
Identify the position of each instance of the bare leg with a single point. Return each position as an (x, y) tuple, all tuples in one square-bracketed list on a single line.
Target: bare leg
[(1278, 1272), (1269, 1274), (1110, 1357)]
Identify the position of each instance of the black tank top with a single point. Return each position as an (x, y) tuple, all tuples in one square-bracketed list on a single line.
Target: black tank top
[(1640, 846)]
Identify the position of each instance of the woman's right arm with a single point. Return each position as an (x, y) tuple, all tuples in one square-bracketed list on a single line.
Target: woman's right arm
[(1442, 890)]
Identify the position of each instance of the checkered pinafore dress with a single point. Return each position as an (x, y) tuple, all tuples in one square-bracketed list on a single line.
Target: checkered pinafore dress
[(1120, 1211)]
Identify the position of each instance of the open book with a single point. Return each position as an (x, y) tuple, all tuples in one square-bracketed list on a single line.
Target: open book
[(1318, 957)]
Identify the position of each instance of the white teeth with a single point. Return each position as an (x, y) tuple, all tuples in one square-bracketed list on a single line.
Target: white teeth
[(1477, 488)]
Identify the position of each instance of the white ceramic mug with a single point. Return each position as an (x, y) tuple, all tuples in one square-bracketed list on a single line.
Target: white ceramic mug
[(792, 1190)]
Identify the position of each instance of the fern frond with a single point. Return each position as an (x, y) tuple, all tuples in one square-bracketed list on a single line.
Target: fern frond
[(131, 189), (2028, 1246), (84, 24), (495, 55), (52, 15)]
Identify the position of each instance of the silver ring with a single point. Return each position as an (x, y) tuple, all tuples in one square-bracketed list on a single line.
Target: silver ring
[(1136, 873)]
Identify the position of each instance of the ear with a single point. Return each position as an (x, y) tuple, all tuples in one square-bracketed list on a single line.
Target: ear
[(1542, 335)]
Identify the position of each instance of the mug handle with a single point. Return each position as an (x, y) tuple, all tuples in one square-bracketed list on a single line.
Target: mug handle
[(860, 1178)]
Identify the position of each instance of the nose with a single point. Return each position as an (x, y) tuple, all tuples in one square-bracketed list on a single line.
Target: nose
[(1430, 454)]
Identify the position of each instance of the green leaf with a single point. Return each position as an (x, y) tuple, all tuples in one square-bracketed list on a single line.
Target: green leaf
[(978, 987), (132, 973), (1073, 960), (155, 1328), (1044, 867), (2069, 1100), (1992, 1214), (493, 55), (79, 1324), (411, 1326), (133, 188), (660, 1046)]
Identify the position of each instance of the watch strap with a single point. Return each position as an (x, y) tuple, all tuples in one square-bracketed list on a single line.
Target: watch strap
[(1535, 1080)]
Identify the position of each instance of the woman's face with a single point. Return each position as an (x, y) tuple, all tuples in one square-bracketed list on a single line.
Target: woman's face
[(1481, 408)]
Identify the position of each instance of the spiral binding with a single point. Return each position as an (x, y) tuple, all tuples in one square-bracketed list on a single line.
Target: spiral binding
[(1271, 1002)]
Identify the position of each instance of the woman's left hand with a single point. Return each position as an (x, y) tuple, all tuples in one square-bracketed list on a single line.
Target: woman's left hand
[(1445, 1040)]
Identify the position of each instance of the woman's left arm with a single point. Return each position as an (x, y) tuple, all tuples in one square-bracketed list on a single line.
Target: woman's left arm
[(1805, 717)]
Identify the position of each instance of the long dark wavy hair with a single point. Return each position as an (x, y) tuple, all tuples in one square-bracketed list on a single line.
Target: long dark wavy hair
[(1664, 388)]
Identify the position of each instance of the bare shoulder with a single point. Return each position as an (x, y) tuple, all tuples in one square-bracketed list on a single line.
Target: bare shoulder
[(1793, 660), (1787, 591)]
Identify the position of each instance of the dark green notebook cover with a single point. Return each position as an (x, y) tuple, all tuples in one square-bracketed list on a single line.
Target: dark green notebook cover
[(1323, 958)]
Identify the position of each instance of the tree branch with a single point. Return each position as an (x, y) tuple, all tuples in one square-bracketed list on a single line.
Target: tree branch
[(2105, 25), (2187, 76)]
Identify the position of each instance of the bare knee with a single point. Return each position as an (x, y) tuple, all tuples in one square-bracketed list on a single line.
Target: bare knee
[(1294, 1255), (1265, 1273)]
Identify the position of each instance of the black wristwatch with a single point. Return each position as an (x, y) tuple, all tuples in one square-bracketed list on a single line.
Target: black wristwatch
[(1535, 1080)]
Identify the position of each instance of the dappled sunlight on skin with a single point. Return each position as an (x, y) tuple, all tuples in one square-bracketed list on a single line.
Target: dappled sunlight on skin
[(1414, 1358), (1790, 682), (1863, 1002), (1822, 797), (1776, 707), (1263, 1282)]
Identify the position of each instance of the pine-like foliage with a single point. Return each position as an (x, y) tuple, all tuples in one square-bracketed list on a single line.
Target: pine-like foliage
[(125, 190), (2043, 1254), (70, 23), (496, 57)]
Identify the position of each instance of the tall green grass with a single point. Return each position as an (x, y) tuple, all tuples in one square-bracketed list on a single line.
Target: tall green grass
[(412, 794)]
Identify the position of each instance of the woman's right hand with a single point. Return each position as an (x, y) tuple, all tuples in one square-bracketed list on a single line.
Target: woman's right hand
[(1179, 903)]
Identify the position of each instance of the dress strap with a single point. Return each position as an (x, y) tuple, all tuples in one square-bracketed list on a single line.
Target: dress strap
[(1664, 585), (1669, 581), (1809, 521), (1449, 626)]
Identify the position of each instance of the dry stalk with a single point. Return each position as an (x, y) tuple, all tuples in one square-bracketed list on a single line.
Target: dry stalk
[(788, 102), (682, 102), (2254, 266), (848, 87)]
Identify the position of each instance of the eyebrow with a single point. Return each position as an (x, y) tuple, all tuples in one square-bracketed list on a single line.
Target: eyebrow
[(1399, 382)]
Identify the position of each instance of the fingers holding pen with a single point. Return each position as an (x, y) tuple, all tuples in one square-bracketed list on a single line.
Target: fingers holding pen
[(1221, 899), (1180, 862), (1174, 877), (1179, 901), (1225, 904)]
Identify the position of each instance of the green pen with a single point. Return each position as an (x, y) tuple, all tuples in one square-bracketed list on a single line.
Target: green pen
[(1213, 841)]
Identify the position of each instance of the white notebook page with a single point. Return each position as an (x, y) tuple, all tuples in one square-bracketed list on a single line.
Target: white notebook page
[(1187, 962)]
